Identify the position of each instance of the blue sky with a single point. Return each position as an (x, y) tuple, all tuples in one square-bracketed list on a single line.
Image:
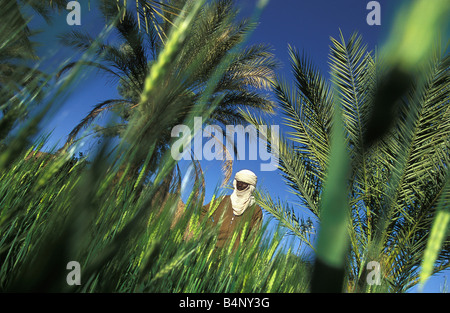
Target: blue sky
[(306, 25)]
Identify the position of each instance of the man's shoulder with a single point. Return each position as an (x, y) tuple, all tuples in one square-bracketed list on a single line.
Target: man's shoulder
[(255, 210), (223, 198), (258, 210), (219, 201)]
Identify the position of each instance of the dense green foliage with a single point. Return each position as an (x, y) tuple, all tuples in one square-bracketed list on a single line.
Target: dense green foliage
[(118, 210), (120, 229), (368, 154)]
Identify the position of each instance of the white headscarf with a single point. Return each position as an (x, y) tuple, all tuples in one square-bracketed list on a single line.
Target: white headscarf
[(242, 199)]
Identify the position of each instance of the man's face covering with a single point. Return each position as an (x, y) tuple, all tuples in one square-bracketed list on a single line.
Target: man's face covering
[(242, 197)]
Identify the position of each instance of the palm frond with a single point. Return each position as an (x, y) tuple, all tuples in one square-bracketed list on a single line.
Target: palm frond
[(301, 175), (285, 214), (421, 150), (352, 71), (93, 114), (307, 130)]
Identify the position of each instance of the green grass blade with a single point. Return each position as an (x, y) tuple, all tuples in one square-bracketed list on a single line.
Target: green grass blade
[(438, 234)]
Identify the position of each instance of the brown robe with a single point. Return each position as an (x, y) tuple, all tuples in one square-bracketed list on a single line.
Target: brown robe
[(248, 221)]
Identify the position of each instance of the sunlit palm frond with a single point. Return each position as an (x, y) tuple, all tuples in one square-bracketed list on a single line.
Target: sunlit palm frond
[(300, 174), (396, 183), (307, 130), (420, 164), (212, 36), (285, 214)]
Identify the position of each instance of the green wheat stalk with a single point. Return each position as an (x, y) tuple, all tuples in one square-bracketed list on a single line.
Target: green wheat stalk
[(439, 231)]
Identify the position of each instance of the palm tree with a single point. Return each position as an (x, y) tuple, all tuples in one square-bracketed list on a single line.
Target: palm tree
[(395, 183), (211, 36)]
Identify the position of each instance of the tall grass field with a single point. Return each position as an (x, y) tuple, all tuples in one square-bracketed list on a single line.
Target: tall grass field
[(366, 153)]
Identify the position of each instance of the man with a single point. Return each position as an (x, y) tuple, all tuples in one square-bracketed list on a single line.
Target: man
[(237, 213)]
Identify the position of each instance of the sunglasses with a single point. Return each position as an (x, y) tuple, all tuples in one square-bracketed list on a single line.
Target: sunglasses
[(241, 185)]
